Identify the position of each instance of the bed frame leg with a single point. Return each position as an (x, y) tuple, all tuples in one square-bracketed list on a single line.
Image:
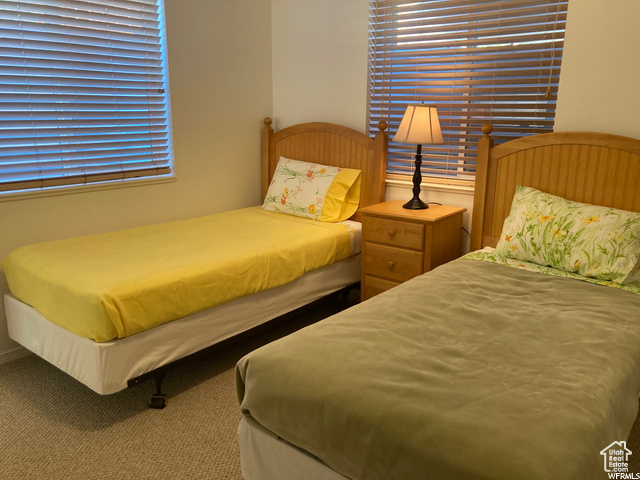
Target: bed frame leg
[(158, 399), (344, 295), (344, 298)]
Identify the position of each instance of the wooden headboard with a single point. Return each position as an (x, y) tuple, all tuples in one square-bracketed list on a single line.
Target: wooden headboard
[(595, 168), (329, 144)]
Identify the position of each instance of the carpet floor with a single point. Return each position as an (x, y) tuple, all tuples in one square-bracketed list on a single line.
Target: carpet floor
[(52, 427)]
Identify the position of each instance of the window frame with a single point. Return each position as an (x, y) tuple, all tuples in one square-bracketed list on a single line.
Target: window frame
[(115, 175)]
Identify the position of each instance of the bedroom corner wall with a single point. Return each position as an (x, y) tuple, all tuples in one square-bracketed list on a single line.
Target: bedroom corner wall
[(600, 75), (320, 73), (319, 77), (221, 89)]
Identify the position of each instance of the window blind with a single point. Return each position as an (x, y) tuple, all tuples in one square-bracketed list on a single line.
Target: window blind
[(477, 61), (83, 92)]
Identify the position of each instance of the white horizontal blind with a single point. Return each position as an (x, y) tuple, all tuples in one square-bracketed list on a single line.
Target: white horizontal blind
[(480, 61), (82, 92)]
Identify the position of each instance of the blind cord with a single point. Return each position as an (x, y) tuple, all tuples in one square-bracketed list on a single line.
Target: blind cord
[(553, 52)]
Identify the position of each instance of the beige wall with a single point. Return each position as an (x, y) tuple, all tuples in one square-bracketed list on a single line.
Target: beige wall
[(220, 80), (320, 62), (600, 80)]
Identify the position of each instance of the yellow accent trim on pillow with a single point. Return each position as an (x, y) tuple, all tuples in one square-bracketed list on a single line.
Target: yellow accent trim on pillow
[(343, 196)]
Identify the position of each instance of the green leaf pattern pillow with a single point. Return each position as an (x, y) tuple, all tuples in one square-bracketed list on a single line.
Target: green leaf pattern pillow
[(634, 276), (589, 240)]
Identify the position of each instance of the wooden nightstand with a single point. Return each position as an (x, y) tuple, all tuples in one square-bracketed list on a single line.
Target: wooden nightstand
[(399, 244)]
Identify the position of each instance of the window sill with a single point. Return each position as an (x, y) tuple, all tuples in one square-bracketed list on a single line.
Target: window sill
[(465, 188), (70, 190)]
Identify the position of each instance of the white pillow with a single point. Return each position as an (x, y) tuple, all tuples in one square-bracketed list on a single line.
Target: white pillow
[(311, 190)]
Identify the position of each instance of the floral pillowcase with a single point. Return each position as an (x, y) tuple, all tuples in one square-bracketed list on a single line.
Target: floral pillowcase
[(634, 276), (311, 190), (592, 241)]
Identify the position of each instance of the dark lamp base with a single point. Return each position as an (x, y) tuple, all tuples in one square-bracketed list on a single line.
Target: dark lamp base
[(415, 204)]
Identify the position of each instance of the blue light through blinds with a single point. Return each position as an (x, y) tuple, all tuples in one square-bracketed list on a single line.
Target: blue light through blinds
[(477, 61), (83, 92)]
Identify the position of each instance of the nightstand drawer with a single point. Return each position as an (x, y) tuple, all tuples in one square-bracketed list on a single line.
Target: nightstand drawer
[(393, 232), (392, 263), (374, 285)]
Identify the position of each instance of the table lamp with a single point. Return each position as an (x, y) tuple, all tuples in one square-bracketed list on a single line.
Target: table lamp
[(420, 125)]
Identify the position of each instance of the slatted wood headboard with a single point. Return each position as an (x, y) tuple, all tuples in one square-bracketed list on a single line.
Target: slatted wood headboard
[(595, 168), (329, 144)]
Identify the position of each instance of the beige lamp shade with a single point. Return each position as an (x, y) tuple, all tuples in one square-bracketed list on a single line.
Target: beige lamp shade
[(420, 125)]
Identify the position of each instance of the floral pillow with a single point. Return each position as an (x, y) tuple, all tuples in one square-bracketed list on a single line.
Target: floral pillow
[(592, 241), (634, 276), (311, 190)]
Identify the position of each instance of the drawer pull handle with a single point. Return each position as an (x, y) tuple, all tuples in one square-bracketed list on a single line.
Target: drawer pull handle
[(392, 233), (391, 264)]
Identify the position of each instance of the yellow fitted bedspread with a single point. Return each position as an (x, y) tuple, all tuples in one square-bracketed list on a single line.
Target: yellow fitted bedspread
[(117, 284)]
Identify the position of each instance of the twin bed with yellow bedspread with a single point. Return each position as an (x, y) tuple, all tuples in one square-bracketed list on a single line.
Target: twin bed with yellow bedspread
[(115, 285), (109, 308)]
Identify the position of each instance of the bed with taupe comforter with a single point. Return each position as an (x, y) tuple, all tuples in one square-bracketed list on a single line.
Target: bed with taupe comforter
[(485, 372)]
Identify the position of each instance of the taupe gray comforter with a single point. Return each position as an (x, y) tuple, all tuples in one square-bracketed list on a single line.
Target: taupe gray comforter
[(472, 371)]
